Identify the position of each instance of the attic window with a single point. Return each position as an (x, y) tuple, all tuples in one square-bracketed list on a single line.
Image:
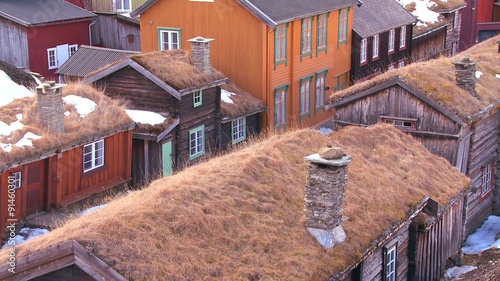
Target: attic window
[(408, 124)]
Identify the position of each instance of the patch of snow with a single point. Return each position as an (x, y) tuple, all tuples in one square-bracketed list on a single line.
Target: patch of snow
[(126, 15), (28, 234), (67, 113), (90, 210), (225, 96), (456, 271), (6, 130), (82, 105), (7, 147), (11, 90), (422, 11), (478, 74), (484, 237), (145, 117), (26, 140), (497, 76), (325, 131)]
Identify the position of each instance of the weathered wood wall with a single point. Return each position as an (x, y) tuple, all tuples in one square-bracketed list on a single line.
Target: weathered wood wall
[(428, 46), (142, 93), (14, 44), (142, 174), (207, 114), (483, 151), (253, 127), (436, 245), (110, 31)]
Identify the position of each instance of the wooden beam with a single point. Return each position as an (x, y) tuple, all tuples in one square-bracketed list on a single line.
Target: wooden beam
[(94, 266), (206, 86), (167, 131), (146, 160), (105, 72)]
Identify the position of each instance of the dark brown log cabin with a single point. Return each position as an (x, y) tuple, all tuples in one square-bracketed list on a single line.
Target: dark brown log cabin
[(379, 44), (75, 157), (187, 95), (448, 107)]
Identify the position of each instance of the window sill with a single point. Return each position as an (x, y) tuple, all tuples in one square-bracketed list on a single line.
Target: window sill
[(321, 50), (238, 140), (192, 157), (93, 172), (276, 63), (308, 54)]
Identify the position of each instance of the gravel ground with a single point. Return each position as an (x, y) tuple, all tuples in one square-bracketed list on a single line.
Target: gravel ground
[(488, 266)]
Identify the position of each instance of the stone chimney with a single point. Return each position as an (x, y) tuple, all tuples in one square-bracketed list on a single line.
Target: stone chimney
[(465, 74), (325, 192), (200, 53), (50, 106)]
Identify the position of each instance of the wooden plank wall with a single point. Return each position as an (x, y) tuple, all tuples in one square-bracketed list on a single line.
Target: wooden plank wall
[(429, 46), (208, 114), (483, 150), (442, 241), (112, 32), (74, 184), (14, 46), (372, 266), (444, 147), (143, 94), (254, 127)]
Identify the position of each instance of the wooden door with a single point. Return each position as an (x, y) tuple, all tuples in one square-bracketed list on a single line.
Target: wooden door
[(35, 188), (167, 158)]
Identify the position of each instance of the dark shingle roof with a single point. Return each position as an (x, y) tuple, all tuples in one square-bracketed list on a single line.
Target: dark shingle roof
[(33, 12), (89, 59), (372, 17)]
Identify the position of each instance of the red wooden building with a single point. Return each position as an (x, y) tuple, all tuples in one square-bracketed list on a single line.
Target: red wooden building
[(41, 35), (57, 155), (480, 21)]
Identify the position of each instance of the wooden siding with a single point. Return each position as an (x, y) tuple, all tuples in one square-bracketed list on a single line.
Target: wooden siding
[(143, 173), (109, 31), (14, 46), (74, 185), (428, 46), (253, 127), (238, 51), (483, 150), (208, 115), (142, 93), (452, 33), (437, 244)]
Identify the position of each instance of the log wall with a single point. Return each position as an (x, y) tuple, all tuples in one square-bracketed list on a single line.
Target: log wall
[(14, 45)]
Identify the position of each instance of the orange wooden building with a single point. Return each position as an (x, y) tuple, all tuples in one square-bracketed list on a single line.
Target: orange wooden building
[(286, 52)]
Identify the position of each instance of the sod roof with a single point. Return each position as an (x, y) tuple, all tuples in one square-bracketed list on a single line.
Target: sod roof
[(243, 104), (240, 216), (174, 68), (108, 118), (436, 80), (17, 75)]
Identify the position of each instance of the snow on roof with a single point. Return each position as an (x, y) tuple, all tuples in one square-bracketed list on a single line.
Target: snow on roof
[(27, 140), (82, 105), (225, 96), (422, 11), (145, 117), (6, 130), (478, 74), (11, 90)]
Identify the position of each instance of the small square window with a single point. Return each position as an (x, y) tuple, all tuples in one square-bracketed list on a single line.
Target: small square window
[(93, 155), (239, 131), (169, 39), (197, 98), (15, 180)]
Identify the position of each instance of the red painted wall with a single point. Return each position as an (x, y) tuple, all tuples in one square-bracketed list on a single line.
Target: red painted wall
[(42, 38), (485, 10), (78, 3)]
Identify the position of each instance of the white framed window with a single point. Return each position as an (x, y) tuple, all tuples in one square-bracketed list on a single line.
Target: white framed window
[(390, 264), (306, 36), (169, 39), (391, 40), (280, 107), (401, 123), (362, 51), (343, 24), (15, 180), (402, 38), (322, 41), (391, 66), (487, 178), (72, 49), (456, 20), (305, 96), (196, 142), (401, 63), (376, 42), (197, 98), (52, 57), (124, 6), (280, 41), (239, 130), (93, 155), (320, 89)]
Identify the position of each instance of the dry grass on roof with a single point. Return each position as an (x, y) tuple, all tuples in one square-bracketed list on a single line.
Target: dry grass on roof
[(17, 75), (174, 68), (446, 4), (243, 102), (240, 216), (436, 80), (108, 116)]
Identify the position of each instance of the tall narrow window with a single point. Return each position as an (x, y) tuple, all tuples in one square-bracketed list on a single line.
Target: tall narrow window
[(280, 43), (196, 142), (123, 6), (306, 36), (197, 98), (320, 90), (169, 39), (375, 46), (343, 16), (391, 40), (238, 129), (456, 20), (93, 155), (72, 49), (322, 41), (402, 38), (280, 107), (305, 96), (486, 178), (390, 264), (362, 51), (52, 58)]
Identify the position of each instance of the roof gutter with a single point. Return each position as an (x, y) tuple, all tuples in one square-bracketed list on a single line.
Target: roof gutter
[(265, 18)]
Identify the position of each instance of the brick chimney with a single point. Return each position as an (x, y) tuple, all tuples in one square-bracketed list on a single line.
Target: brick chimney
[(325, 192), (200, 53), (51, 106), (465, 74)]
